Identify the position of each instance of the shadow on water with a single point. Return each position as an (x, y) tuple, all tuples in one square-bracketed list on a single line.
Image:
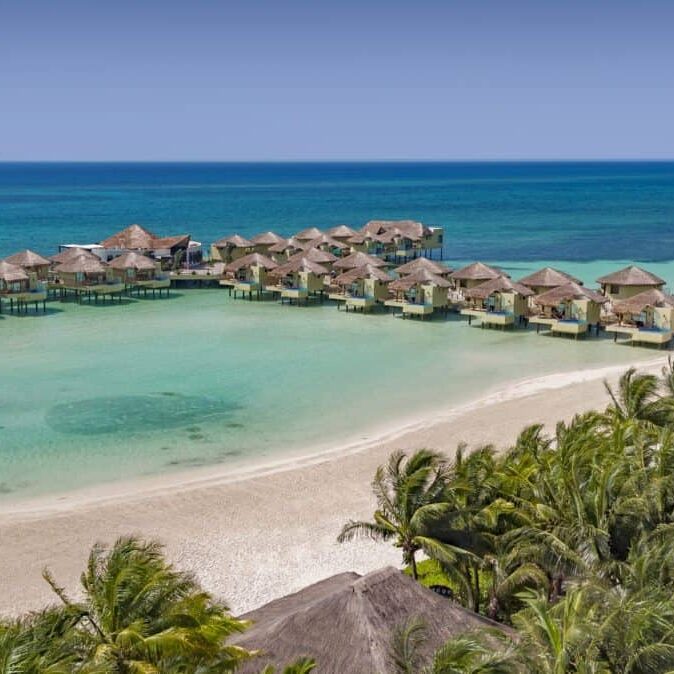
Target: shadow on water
[(136, 413)]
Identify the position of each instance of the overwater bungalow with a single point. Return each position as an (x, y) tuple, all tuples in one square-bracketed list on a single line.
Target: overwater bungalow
[(138, 272), (570, 309), (170, 250), (547, 278), (646, 318), (474, 275), (361, 288), (628, 282), (20, 289), (32, 263), (317, 255), (423, 263), (71, 253), (87, 277), (231, 248), (341, 233), (360, 243), (328, 244), (263, 242), (419, 294), (280, 252), (308, 234), (248, 275), (396, 245), (298, 280), (425, 240), (498, 303), (358, 259)]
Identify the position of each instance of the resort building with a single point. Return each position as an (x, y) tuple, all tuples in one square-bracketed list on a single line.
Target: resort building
[(69, 253), (348, 622), (341, 233), (361, 288), (646, 318), (308, 234), (547, 278), (263, 242), (231, 248), (328, 244), (423, 263), (87, 277), (141, 273), (248, 275), (298, 280), (32, 263), (356, 260), (317, 255), (499, 302), (170, 250), (473, 275), (415, 238), (283, 250), (20, 289), (570, 309), (628, 282), (419, 294)]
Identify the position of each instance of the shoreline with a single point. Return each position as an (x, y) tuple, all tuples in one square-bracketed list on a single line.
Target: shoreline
[(253, 467), (262, 534)]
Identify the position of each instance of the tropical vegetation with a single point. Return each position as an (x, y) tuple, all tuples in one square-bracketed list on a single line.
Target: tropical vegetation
[(568, 538)]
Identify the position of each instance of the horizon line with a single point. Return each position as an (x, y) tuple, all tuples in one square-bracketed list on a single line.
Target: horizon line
[(518, 160)]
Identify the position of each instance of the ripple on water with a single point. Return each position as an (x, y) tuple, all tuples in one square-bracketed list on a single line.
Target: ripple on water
[(96, 416)]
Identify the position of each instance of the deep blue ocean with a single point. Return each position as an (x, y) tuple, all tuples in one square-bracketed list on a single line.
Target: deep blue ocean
[(492, 211)]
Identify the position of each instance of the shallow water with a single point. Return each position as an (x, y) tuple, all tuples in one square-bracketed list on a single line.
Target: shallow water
[(99, 393)]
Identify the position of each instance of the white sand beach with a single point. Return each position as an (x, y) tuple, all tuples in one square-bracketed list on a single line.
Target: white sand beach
[(263, 531)]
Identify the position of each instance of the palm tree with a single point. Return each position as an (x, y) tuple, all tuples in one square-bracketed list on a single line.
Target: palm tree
[(303, 666), (141, 615), (637, 399), (410, 493)]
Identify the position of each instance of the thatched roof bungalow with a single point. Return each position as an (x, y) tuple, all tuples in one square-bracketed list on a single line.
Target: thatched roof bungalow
[(499, 302), (88, 275), (627, 282), (424, 239), (347, 623), (423, 263), (231, 248), (317, 255), (419, 294), (341, 233), (20, 288), (299, 279), (248, 274), (308, 234), (646, 318), (569, 309), (284, 249), (31, 262), (474, 274), (361, 288), (139, 271), (547, 278), (141, 240), (327, 243), (358, 259)]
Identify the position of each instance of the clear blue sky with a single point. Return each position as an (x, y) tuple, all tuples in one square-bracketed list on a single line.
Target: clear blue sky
[(349, 79)]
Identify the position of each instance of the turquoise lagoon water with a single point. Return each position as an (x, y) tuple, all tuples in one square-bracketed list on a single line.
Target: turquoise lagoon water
[(93, 394)]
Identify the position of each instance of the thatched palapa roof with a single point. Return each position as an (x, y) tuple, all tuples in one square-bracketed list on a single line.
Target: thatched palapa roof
[(358, 259), (71, 254), (286, 244), (27, 259), (366, 271), (502, 284), (136, 237), (631, 276), (308, 234), (423, 263), (82, 264), (548, 278), (300, 264), (315, 255), (234, 241), (347, 623), (648, 298), (421, 277), (252, 260), (267, 239), (409, 228), (341, 231), (477, 271), (10, 273), (567, 292), (323, 240), (132, 260)]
